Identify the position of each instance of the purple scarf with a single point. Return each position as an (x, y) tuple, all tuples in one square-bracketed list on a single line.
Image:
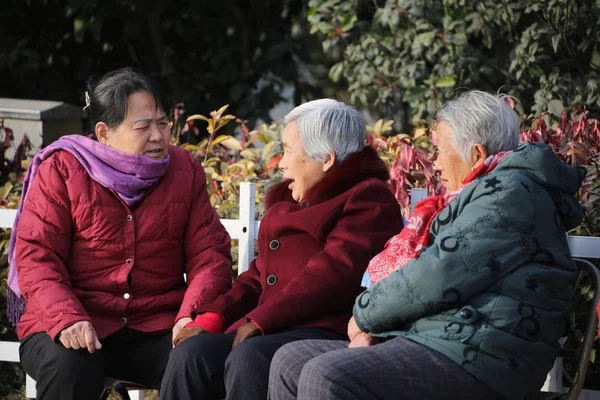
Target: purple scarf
[(130, 176)]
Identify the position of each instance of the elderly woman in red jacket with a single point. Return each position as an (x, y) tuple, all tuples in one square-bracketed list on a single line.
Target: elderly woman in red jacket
[(104, 235), (330, 216)]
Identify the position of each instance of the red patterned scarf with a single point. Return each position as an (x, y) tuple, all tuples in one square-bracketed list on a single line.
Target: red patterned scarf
[(414, 237)]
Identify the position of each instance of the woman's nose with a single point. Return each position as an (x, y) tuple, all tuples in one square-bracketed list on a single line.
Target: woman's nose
[(155, 133)]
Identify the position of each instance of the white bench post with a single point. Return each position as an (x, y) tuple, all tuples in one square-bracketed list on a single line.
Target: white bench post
[(416, 195), (247, 232)]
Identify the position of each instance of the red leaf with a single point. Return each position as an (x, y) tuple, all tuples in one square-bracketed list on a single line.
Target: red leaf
[(274, 161), (396, 172), (370, 139), (406, 156), (244, 129), (249, 142), (428, 170)]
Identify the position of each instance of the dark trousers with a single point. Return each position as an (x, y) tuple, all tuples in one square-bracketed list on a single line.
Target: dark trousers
[(205, 367), (65, 374), (396, 369)]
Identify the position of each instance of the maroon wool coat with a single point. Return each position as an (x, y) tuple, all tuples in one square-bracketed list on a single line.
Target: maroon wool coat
[(83, 255), (312, 255)]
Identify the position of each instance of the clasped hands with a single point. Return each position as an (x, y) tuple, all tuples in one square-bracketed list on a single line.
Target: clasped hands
[(359, 338), (246, 331)]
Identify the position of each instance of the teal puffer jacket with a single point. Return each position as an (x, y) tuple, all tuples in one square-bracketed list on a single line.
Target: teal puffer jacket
[(493, 289)]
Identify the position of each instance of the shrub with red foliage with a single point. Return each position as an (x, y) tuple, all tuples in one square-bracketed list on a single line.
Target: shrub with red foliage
[(575, 140)]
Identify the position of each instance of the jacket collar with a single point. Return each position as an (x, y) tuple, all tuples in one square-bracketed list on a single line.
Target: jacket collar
[(356, 168)]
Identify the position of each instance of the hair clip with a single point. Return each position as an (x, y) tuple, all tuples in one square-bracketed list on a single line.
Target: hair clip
[(88, 102)]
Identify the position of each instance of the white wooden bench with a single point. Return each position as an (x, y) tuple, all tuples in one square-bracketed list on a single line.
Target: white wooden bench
[(245, 230)]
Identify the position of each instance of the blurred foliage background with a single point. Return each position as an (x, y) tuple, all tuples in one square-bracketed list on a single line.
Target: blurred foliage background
[(397, 59)]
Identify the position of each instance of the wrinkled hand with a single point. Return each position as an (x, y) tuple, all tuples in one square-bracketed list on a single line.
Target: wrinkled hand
[(353, 329), (188, 332), (80, 335), (363, 340), (179, 326), (248, 330)]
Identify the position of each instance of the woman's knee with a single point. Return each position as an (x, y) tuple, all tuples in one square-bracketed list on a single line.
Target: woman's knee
[(319, 377), (202, 350), (287, 363), (71, 371), (285, 372), (246, 357)]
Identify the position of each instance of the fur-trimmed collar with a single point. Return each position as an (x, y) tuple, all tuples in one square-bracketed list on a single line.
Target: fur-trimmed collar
[(356, 168)]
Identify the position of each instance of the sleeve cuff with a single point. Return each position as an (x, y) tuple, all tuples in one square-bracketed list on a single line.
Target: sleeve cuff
[(258, 326), (360, 322), (210, 321)]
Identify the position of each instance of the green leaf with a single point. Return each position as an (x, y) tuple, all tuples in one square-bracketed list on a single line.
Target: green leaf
[(555, 42), (446, 81), (221, 139), (415, 94), (555, 107), (79, 29), (596, 59), (197, 117), (5, 190), (232, 144), (425, 38), (336, 71)]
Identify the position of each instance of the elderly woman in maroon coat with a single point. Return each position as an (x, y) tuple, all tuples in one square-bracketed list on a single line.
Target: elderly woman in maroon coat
[(329, 217)]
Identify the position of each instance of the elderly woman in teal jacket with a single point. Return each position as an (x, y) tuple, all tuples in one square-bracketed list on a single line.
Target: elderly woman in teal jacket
[(470, 299)]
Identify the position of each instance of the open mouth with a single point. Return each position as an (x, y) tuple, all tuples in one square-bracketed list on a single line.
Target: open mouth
[(291, 185)]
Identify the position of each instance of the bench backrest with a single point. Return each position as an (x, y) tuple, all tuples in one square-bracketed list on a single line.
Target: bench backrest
[(245, 229)]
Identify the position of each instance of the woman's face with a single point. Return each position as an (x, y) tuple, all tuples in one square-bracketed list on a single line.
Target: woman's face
[(452, 167), (145, 130), (296, 165)]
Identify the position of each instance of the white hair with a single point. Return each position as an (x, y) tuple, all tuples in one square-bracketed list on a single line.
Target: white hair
[(479, 117), (327, 125)]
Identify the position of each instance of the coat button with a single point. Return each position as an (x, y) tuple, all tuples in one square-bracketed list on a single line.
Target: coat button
[(123, 320), (128, 261), (129, 218), (271, 280), (274, 245), (126, 296), (466, 313), (304, 204)]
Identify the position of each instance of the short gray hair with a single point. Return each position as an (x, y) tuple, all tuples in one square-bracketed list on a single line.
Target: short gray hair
[(328, 125), (479, 117)]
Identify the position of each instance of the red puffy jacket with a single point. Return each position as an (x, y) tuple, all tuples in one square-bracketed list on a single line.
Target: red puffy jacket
[(83, 255)]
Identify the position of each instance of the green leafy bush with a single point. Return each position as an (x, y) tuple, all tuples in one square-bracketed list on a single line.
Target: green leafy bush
[(406, 57)]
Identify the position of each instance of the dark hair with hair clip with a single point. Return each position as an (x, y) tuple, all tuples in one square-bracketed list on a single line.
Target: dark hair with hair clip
[(106, 99)]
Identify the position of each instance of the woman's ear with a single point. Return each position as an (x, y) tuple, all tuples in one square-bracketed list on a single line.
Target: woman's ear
[(102, 130), (478, 154), (330, 162)]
